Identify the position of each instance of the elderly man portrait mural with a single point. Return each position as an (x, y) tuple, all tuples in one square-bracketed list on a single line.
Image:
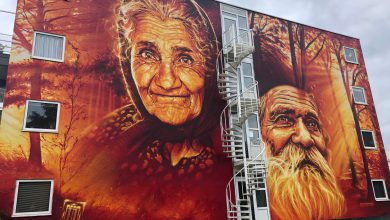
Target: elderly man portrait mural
[(308, 127), (301, 183), (158, 156)]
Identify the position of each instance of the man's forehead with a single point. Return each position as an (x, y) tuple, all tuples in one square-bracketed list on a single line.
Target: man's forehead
[(288, 97)]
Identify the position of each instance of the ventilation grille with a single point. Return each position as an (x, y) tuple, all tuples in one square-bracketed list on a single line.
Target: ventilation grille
[(48, 46), (33, 197), (72, 210)]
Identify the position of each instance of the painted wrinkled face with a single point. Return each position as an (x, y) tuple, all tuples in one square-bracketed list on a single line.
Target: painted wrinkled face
[(291, 115), (168, 70)]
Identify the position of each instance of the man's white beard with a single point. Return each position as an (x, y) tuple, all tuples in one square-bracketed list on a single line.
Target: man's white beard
[(302, 185)]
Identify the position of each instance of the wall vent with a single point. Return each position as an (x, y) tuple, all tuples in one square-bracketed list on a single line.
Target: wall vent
[(33, 198)]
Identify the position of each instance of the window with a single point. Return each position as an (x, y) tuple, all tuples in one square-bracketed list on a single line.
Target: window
[(261, 198), (368, 139), (359, 96), (239, 19), (1, 110), (41, 116), (350, 55), (33, 198), (2, 92), (380, 191), (48, 47)]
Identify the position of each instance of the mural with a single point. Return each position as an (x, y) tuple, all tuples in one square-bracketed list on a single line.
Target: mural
[(139, 126), (317, 167), (139, 134)]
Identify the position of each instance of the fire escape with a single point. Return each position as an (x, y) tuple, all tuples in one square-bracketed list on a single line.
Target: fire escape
[(249, 169)]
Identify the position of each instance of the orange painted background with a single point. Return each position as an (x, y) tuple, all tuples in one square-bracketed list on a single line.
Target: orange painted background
[(126, 177), (121, 162), (288, 53)]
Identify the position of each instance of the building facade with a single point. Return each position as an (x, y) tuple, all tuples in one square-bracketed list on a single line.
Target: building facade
[(147, 109), (4, 59)]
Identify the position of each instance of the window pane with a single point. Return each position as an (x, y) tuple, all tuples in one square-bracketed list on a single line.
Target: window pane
[(350, 55), (379, 189), (252, 121), (246, 69), (41, 115), (253, 135), (248, 81), (244, 36), (2, 92), (242, 22), (48, 46), (358, 95), (368, 139), (261, 198), (228, 14), (229, 35)]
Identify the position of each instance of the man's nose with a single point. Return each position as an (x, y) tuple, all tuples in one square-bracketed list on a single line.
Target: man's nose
[(167, 78), (301, 135)]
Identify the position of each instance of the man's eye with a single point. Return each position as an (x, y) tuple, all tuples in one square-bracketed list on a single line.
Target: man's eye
[(186, 59), (284, 120), (312, 124)]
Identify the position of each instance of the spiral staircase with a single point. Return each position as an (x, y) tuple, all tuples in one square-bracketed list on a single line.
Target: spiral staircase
[(249, 172)]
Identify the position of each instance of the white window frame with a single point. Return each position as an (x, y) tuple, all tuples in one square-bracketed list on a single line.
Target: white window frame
[(354, 50), (29, 214), (384, 186), (373, 137), (364, 94), (46, 58), (41, 129)]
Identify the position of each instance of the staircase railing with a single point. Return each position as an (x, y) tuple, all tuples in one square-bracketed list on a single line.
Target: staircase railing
[(240, 105), (239, 207)]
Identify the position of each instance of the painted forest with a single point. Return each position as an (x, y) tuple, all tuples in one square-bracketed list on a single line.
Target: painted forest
[(287, 53), (89, 86)]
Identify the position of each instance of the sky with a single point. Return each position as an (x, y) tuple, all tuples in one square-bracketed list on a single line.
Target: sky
[(367, 20)]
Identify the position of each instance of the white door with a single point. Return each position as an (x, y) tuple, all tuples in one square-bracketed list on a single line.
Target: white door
[(260, 200)]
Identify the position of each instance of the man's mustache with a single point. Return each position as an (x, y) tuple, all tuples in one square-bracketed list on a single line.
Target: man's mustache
[(302, 156), (309, 162)]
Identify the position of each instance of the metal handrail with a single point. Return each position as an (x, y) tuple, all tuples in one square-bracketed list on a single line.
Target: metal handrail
[(233, 206), (234, 101), (236, 48), (236, 38)]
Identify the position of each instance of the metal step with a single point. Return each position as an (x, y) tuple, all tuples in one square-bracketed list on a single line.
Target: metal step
[(228, 75)]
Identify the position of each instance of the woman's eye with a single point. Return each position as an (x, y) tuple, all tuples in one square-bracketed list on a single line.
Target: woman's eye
[(147, 54), (186, 59)]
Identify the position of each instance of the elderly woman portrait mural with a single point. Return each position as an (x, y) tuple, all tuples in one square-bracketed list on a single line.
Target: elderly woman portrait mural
[(157, 157)]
